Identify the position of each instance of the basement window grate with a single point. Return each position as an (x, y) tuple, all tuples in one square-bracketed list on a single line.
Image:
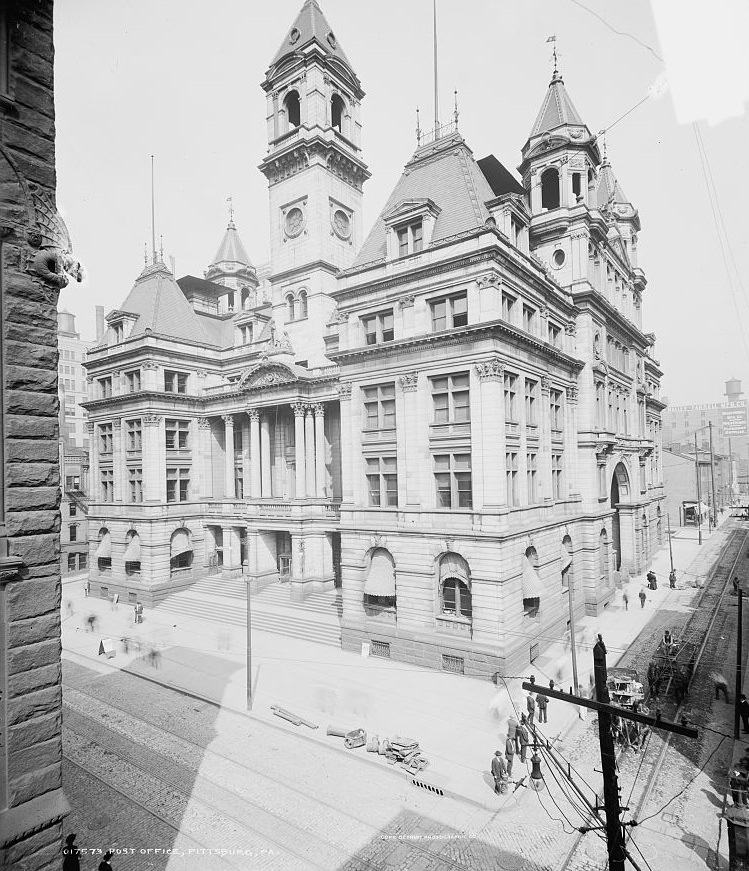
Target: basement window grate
[(380, 648), (104, 592), (430, 787), (454, 664)]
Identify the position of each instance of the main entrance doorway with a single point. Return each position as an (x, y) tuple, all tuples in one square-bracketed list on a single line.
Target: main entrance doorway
[(619, 493)]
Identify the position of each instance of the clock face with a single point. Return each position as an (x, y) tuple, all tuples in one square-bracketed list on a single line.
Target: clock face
[(341, 224), (294, 221)]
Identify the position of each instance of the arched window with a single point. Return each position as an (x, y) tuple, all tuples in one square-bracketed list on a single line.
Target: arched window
[(550, 189), (290, 307), (533, 587), (455, 586), (180, 553), (379, 588), (293, 109), (230, 302), (132, 554), (303, 304), (337, 111), (566, 564), (245, 297), (603, 555), (104, 552)]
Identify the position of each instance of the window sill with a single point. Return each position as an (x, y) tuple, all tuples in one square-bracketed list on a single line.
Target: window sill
[(454, 625)]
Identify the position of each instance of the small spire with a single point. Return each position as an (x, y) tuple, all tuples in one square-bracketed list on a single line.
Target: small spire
[(231, 211), (555, 58), (145, 253), (455, 110), (418, 127), (161, 249), (602, 134)]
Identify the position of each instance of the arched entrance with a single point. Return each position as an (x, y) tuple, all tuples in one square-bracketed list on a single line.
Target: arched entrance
[(619, 493)]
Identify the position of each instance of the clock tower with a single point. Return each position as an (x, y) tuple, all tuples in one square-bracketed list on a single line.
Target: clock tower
[(315, 174)]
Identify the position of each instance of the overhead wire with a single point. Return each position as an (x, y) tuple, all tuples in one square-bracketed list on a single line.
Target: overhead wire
[(618, 32)]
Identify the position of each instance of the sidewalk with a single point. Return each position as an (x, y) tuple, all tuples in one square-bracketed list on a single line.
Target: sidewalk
[(332, 687)]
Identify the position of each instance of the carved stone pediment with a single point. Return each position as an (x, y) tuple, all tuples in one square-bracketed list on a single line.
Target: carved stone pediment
[(266, 374)]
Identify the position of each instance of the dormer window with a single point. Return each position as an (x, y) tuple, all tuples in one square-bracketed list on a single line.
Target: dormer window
[(245, 333), (118, 330), (293, 109), (410, 238), (410, 225)]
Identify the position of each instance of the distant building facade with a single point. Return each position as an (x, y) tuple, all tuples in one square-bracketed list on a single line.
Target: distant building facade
[(72, 380), (35, 263), (456, 420)]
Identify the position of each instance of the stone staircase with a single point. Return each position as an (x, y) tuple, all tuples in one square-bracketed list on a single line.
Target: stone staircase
[(224, 600)]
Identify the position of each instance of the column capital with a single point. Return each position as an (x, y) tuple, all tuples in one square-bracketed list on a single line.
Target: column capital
[(406, 301), (344, 391), (545, 384), (116, 422), (228, 419), (491, 369), (253, 413), (90, 426), (299, 408), (572, 394), (204, 423), (318, 409), (151, 419), (409, 381)]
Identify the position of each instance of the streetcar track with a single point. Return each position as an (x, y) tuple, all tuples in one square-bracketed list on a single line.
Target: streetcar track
[(374, 832), (712, 594)]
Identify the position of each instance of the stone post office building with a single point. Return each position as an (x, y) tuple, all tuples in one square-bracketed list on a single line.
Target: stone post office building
[(455, 420)]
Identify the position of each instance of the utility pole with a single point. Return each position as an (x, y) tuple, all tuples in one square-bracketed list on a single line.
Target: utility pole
[(248, 581), (699, 496), (739, 652), (730, 475), (712, 475), (670, 547)]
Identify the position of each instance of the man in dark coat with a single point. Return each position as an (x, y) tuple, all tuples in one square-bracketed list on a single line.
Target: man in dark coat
[(531, 706), (104, 864), (542, 702), (71, 855), (524, 738), (510, 754), (499, 771), (744, 711)]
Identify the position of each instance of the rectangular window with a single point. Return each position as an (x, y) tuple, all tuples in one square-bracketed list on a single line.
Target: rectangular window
[(382, 481), (245, 333), (556, 476), (508, 307), (119, 332), (177, 485), (379, 407), (452, 475), (450, 312), (529, 319), (451, 399), (135, 484), (410, 238), (177, 434), (132, 380), (72, 482), (105, 438), (105, 388), (555, 335), (532, 476), (175, 382), (378, 328), (600, 422), (134, 435), (531, 392), (511, 466), (238, 482), (82, 561), (107, 485), (511, 393), (73, 531), (602, 482), (555, 408), (72, 509), (71, 562)]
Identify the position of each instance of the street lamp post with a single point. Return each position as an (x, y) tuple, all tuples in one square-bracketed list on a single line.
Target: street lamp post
[(248, 581), (699, 495), (670, 547), (712, 476)]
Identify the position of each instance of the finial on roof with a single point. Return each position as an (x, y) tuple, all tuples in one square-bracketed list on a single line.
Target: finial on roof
[(231, 211), (145, 253), (602, 134), (161, 249), (455, 110), (418, 127), (555, 57)]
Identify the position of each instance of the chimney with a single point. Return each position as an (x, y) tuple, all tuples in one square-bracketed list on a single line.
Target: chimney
[(99, 322)]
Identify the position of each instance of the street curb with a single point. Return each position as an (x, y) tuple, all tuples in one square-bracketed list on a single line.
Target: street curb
[(251, 715)]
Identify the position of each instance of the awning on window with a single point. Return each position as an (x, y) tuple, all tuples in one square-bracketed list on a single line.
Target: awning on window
[(454, 566), (132, 551), (104, 550), (180, 543), (381, 576), (533, 587), (566, 557)]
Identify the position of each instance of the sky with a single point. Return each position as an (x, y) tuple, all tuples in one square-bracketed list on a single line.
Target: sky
[(181, 80)]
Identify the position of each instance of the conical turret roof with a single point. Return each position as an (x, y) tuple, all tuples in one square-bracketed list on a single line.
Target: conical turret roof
[(231, 249), (557, 109), (609, 191), (310, 25)]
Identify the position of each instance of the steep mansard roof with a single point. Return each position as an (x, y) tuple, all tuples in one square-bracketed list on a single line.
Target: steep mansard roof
[(446, 173), (310, 25)]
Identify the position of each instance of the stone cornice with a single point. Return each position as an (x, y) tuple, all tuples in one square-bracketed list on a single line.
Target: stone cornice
[(459, 336), (635, 334)]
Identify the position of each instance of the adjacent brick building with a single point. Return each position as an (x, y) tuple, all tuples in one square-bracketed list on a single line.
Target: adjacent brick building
[(35, 257)]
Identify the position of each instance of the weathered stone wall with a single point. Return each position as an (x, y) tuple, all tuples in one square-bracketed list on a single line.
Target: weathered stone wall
[(32, 805)]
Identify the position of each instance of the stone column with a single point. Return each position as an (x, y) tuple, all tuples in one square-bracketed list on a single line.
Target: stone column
[(348, 432), (407, 420), (245, 427), (228, 455), (255, 474), (300, 475), (119, 467), (154, 459), (94, 485), (309, 449), (490, 409), (266, 488), (202, 458), (544, 443), (319, 411)]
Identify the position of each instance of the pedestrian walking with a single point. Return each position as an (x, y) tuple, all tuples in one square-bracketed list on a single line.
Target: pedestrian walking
[(87, 588), (499, 771), (530, 703), (524, 738), (512, 732), (542, 702), (104, 864), (652, 582), (91, 620), (744, 711), (69, 608), (653, 678), (125, 645), (721, 685), (510, 754), (643, 596), (672, 579), (625, 599), (71, 855)]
